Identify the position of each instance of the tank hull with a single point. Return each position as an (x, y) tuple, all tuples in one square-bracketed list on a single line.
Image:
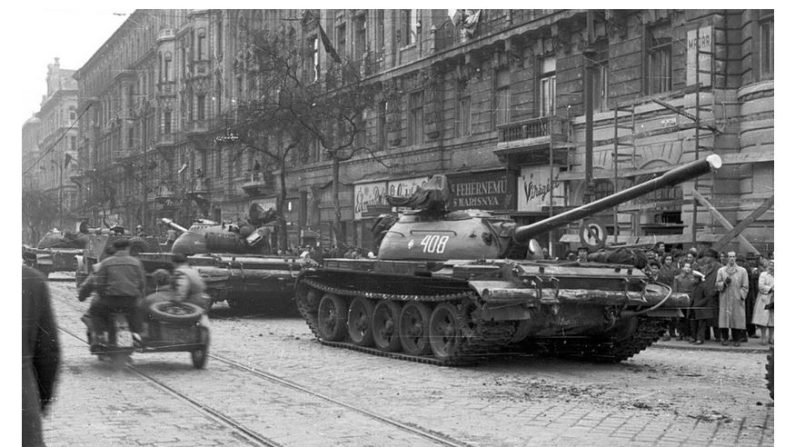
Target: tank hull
[(482, 308)]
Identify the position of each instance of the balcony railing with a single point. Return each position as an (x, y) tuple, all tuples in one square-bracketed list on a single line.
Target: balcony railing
[(490, 21), (258, 183), (200, 185), (528, 129)]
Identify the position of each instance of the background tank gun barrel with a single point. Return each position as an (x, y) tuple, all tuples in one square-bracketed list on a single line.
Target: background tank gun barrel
[(174, 225), (674, 176)]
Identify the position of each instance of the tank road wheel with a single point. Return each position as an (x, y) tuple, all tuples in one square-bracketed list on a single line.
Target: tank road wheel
[(445, 332), (385, 326), (331, 315), (413, 328), (360, 314)]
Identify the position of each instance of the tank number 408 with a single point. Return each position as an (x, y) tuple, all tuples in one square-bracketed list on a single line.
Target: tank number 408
[(434, 243)]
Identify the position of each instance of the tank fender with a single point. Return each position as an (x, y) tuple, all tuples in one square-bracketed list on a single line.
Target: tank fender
[(502, 292)]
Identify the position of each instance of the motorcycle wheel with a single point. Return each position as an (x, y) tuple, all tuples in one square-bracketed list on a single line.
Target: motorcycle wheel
[(199, 356), (175, 312)]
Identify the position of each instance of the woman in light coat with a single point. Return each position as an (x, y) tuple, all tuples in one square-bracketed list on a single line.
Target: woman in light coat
[(763, 310)]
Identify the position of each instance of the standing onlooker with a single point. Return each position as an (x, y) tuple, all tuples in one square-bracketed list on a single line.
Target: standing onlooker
[(732, 282), (685, 282), (705, 295), (763, 312), (752, 268), (41, 354), (666, 276), (723, 259)]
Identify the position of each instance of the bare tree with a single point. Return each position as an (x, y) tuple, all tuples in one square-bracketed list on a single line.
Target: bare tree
[(297, 106)]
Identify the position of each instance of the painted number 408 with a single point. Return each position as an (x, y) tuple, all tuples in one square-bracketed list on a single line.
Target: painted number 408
[(434, 243)]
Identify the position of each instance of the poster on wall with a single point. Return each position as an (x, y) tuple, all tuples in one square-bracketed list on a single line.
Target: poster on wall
[(368, 197), (494, 190), (533, 188)]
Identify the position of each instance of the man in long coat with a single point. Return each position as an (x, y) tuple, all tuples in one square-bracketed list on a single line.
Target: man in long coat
[(705, 295), (732, 282), (41, 354)]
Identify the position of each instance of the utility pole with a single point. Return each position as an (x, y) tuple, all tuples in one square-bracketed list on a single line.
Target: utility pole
[(60, 193), (589, 54), (144, 145)]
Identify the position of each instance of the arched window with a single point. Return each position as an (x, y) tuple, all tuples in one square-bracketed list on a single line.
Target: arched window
[(201, 45)]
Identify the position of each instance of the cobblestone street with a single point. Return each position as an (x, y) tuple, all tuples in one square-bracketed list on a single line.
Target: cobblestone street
[(269, 383)]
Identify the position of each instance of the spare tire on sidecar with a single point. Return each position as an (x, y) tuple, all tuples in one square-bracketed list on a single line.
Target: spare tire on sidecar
[(175, 312)]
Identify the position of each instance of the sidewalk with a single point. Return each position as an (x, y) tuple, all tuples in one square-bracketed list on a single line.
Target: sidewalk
[(752, 345)]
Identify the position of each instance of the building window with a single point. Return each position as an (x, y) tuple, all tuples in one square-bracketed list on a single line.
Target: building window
[(600, 77), (130, 138), (658, 61), (72, 114), (200, 103), (408, 27), (415, 126), (167, 122), (502, 97), (463, 120), (313, 61), (341, 40), (167, 67), (72, 143), (381, 125), (201, 45), (360, 35), (766, 49), (546, 83), (379, 31)]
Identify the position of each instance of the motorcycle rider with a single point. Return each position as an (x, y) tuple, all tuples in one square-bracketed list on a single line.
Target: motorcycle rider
[(120, 282), (189, 286)]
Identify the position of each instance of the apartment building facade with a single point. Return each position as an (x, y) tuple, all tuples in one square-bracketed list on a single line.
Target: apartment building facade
[(495, 99)]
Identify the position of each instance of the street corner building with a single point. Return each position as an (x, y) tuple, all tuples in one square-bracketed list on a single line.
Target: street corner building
[(529, 113)]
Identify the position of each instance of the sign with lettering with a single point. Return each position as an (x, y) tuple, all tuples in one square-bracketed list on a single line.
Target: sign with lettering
[(405, 187), (699, 42), (533, 188), (367, 196), (483, 190)]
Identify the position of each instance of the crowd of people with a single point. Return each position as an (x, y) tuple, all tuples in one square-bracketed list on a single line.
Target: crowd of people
[(732, 295)]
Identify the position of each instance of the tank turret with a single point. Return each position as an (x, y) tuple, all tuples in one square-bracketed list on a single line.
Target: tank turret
[(431, 233)]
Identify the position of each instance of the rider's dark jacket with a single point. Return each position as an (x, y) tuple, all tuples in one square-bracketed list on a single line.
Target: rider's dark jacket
[(121, 275)]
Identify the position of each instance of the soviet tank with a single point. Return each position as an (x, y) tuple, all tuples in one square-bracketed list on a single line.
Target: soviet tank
[(56, 250), (99, 245), (454, 287), (237, 262)]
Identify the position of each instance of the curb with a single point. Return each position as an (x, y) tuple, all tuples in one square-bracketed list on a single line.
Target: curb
[(712, 347)]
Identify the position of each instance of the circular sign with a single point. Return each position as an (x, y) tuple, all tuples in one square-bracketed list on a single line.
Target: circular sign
[(592, 234)]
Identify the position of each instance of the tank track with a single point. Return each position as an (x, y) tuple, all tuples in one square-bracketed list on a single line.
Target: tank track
[(612, 350), (480, 339)]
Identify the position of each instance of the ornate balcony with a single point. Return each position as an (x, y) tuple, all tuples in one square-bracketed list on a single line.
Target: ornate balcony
[(529, 141), (258, 184)]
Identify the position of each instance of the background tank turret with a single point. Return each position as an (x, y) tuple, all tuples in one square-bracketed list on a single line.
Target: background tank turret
[(457, 285), (238, 263)]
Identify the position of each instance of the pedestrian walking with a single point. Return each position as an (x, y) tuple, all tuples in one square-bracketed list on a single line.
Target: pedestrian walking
[(732, 283), (763, 311), (41, 354)]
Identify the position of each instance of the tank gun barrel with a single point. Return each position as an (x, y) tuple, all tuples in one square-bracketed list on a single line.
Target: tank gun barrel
[(677, 175), (174, 225)]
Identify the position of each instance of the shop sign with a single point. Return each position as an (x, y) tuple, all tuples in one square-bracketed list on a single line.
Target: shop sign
[(406, 187), (533, 188), (367, 196), (484, 191), (700, 45)]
